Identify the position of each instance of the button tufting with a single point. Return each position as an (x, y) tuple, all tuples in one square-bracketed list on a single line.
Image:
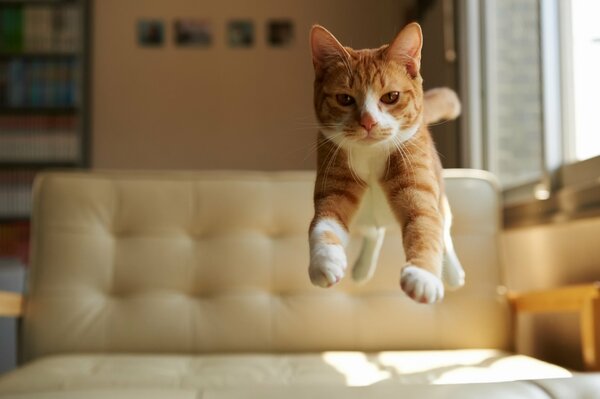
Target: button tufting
[(224, 267)]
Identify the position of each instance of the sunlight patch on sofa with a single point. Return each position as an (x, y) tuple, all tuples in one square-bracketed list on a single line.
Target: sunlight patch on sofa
[(512, 368), (356, 368), (439, 367)]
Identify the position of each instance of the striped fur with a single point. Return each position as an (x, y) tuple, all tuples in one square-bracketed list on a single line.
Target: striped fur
[(396, 155)]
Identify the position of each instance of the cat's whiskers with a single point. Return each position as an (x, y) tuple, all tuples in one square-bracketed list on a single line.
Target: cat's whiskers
[(389, 156), (330, 126), (423, 150), (409, 157), (438, 123), (405, 160), (409, 161), (316, 146), (413, 143), (331, 161), (420, 149), (298, 129), (327, 162), (386, 152)]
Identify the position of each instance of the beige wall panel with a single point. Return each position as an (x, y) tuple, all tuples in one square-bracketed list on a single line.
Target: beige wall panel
[(214, 108)]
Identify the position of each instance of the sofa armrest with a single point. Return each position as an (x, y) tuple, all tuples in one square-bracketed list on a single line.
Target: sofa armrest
[(583, 299), (11, 304)]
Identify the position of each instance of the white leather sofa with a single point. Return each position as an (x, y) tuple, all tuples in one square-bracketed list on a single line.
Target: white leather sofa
[(195, 285)]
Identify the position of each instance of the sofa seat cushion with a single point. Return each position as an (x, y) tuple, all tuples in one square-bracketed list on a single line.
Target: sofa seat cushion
[(76, 373), (501, 390)]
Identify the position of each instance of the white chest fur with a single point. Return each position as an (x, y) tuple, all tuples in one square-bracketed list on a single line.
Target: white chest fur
[(370, 165)]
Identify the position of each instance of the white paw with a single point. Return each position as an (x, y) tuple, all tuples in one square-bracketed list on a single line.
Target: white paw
[(421, 285), (327, 264)]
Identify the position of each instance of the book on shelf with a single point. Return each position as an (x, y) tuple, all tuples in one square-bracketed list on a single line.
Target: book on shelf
[(39, 138), (66, 27), (11, 25), (39, 28), (3, 83), (39, 83), (14, 240), (15, 196), (15, 86), (39, 147), (42, 122)]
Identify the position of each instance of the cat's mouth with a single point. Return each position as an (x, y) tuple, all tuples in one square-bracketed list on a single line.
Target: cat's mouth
[(370, 138)]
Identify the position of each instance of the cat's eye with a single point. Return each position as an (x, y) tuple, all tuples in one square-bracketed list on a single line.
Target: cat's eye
[(344, 99), (390, 98)]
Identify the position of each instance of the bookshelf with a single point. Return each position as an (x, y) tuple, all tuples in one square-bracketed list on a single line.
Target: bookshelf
[(44, 122)]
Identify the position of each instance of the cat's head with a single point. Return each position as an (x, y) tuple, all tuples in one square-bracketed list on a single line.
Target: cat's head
[(370, 97)]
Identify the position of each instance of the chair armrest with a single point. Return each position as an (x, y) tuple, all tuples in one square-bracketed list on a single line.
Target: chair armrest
[(11, 304), (583, 299)]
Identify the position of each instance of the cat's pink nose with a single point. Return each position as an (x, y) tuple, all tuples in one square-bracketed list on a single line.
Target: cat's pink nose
[(367, 121)]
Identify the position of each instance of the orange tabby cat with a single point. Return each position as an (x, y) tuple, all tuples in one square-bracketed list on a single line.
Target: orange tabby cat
[(376, 155)]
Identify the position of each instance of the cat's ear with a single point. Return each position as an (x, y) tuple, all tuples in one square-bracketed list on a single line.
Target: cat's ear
[(406, 48), (325, 47)]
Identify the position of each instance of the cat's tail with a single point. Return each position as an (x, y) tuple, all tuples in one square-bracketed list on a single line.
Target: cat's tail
[(440, 104)]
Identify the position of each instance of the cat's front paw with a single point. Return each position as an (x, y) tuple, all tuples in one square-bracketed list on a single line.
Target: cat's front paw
[(327, 265), (421, 285)]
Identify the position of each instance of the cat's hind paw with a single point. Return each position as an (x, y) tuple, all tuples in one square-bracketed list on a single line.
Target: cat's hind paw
[(327, 265), (421, 285), (453, 274)]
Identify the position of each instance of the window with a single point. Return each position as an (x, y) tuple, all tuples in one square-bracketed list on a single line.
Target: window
[(513, 84), (582, 32), (531, 70)]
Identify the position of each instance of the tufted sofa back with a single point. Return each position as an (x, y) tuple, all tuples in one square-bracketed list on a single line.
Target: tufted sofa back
[(170, 262)]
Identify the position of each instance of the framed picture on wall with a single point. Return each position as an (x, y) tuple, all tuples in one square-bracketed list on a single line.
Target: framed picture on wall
[(280, 32), (150, 32), (190, 32), (240, 33)]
